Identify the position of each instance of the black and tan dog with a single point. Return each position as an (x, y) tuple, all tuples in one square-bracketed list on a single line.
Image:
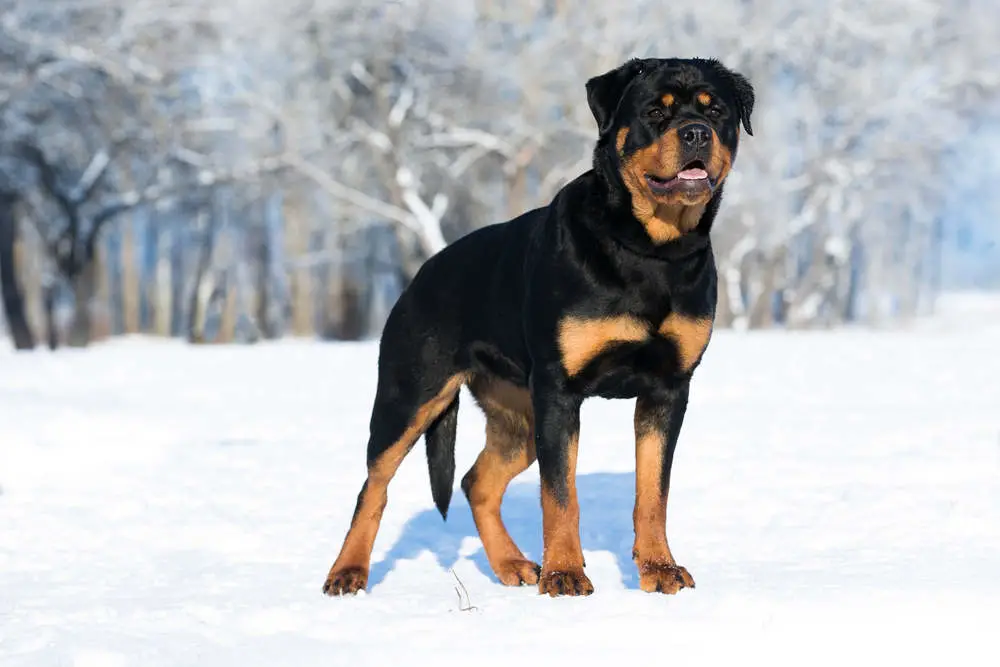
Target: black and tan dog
[(608, 291)]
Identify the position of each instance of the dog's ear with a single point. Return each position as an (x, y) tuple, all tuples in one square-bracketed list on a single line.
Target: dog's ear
[(744, 98), (605, 92), (742, 91)]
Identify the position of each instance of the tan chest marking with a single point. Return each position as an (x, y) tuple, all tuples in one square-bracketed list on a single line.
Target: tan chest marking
[(690, 334), (581, 339), (666, 223)]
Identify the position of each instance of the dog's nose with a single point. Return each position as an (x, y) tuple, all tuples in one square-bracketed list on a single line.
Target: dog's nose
[(695, 135)]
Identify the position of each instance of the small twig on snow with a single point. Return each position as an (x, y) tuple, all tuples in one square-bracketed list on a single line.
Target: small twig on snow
[(465, 605)]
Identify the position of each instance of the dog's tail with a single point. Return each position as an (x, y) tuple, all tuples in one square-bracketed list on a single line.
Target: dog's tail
[(440, 441)]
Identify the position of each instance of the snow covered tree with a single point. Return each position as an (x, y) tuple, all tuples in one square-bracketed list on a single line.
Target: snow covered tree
[(275, 168)]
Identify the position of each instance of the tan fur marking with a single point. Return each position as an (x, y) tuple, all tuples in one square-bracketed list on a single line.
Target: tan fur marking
[(721, 161), (650, 514), (690, 335), (658, 571), (705, 99), (507, 408), (385, 466), (581, 340), (503, 458), (355, 554), (510, 449), (562, 558), (667, 223), (620, 139), (668, 100), (661, 230), (561, 524)]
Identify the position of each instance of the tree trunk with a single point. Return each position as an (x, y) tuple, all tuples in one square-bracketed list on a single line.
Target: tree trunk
[(227, 324), (224, 291), (100, 308), (297, 224), (201, 290), (762, 304), (263, 291), (49, 305), (31, 275), (84, 291), (346, 317), (178, 320), (161, 290), (13, 299), (723, 307), (131, 279)]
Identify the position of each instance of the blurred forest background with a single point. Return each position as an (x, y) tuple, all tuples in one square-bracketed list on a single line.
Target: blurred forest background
[(246, 170)]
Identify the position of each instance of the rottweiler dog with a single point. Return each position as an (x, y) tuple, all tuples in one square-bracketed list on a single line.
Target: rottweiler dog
[(609, 290)]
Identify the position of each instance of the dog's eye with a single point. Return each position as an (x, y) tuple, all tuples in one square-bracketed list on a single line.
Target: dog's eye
[(656, 114), (713, 112)]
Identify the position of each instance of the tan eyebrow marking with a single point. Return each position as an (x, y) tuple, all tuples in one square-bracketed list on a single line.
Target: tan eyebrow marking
[(668, 100), (705, 98)]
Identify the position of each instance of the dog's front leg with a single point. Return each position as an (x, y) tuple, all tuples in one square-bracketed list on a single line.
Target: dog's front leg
[(557, 429), (658, 422)]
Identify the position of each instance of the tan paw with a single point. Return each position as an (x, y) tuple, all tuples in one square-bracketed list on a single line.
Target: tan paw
[(517, 572), (565, 583), (346, 581), (664, 578)]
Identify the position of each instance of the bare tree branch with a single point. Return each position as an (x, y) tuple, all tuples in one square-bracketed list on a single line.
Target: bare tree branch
[(129, 72)]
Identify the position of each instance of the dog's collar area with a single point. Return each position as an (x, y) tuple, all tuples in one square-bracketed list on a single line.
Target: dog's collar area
[(683, 247)]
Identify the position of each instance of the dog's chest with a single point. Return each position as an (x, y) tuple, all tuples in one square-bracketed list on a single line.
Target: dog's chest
[(605, 351)]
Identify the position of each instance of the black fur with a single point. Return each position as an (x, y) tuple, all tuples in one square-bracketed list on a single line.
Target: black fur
[(440, 442)]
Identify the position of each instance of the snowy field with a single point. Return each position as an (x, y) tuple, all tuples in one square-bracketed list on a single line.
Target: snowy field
[(835, 495)]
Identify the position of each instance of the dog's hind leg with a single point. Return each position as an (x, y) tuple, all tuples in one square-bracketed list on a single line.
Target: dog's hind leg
[(399, 418), (509, 451)]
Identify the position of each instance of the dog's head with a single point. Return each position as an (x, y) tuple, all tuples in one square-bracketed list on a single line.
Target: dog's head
[(670, 128)]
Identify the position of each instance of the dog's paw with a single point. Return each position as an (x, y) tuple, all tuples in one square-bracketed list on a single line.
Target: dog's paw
[(517, 572), (347, 581), (664, 578), (565, 583)]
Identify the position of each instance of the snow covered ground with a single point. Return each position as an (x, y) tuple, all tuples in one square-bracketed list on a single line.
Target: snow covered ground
[(835, 495)]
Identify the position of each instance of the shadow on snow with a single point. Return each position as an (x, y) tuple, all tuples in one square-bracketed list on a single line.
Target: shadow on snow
[(606, 501)]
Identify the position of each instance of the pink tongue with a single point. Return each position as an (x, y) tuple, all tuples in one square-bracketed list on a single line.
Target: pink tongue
[(692, 174)]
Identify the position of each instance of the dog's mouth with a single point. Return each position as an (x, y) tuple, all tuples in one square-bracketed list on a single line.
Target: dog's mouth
[(691, 178)]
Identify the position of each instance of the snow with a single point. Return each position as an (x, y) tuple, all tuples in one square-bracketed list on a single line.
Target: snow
[(836, 496)]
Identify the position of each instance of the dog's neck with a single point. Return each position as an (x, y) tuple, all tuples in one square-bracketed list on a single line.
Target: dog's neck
[(625, 229), (666, 226), (666, 222)]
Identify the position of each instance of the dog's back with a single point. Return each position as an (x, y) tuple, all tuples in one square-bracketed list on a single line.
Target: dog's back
[(465, 304)]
